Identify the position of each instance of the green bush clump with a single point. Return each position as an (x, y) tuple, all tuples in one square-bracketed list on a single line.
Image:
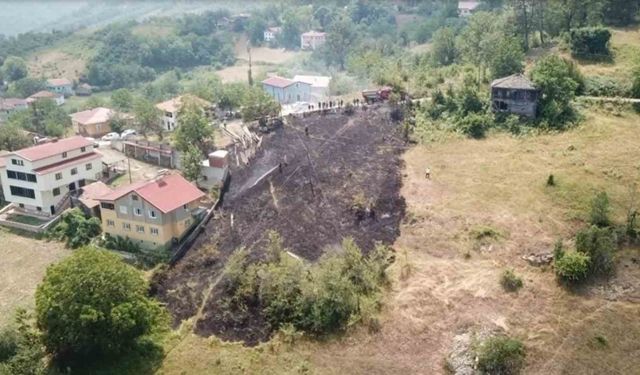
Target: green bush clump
[(572, 267), (475, 125), (599, 244), (510, 281), (93, 304), (501, 355), (600, 209), (320, 298), (604, 86), (76, 229), (590, 42)]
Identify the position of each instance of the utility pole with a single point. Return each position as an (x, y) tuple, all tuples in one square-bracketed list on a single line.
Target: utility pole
[(129, 167), (250, 73)]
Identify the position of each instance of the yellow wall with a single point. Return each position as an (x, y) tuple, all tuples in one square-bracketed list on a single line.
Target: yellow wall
[(166, 232)]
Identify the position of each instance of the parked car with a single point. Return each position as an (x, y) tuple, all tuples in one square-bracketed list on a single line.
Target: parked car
[(128, 133), (111, 137)]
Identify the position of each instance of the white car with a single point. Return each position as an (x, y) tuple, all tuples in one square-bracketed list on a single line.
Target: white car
[(111, 137), (127, 133)]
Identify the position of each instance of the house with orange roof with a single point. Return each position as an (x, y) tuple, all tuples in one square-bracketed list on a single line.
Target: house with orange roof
[(154, 214), (40, 179), (47, 95), (96, 122), (312, 39)]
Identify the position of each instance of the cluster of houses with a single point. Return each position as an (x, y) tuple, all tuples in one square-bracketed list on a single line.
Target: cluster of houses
[(56, 89), (44, 180), (310, 40)]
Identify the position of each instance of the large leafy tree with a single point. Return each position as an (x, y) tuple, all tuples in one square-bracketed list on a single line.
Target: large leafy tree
[(553, 76), (508, 57), (122, 100), (12, 138), (194, 129), (341, 38), (257, 103), (44, 117), (25, 87), (147, 117), (191, 159), (444, 49), (255, 29), (14, 68), (93, 304)]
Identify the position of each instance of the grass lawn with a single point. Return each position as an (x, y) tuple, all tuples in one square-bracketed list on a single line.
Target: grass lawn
[(23, 264), (29, 220)]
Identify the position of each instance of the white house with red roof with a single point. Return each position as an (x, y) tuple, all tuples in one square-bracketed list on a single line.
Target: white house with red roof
[(312, 39), (39, 178), (286, 91), (153, 214)]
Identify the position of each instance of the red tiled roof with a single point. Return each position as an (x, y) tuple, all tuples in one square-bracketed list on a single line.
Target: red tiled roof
[(44, 94), (278, 82), (65, 163), (93, 191), (165, 193), (46, 150), (59, 82), (96, 116)]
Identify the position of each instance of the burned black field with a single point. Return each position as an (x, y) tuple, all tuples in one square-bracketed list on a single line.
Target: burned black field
[(315, 181)]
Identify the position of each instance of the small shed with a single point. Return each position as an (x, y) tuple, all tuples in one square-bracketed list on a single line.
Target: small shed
[(515, 94), (214, 170), (88, 198)]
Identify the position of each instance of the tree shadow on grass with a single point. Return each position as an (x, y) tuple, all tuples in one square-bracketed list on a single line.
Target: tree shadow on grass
[(143, 358)]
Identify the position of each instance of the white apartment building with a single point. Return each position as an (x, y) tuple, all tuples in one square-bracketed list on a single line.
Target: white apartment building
[(38, 178)]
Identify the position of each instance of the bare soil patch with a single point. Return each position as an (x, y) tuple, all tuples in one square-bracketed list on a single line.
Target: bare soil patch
[(55, 64), (343, 160)]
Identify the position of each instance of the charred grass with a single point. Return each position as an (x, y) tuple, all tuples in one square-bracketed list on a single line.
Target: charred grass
[(340, 177)]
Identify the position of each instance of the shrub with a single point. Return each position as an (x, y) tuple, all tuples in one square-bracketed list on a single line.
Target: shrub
[(551, 180), (572, 267), (510, 281), (590, 42), (599, 245), (320, 298), (600, 209), (558, 250), (604, 86), (475, 125), (8, 343), (76, 229), (93, 304), (501, 355)]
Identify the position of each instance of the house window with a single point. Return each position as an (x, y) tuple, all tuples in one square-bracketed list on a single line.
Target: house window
[(139, 229), (134, 197), (152, 214), (56, 192), (74, 171), (21, 176), (154, 231), (83, 149), (107, 206), (58, 176), (88, 166), (39, 209), (22, 192), (111, 223), (123, 210), (126, 226), (64, 154), (17, 162), (137, 212)]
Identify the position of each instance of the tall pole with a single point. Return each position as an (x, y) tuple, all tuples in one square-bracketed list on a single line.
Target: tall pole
[(129, 167)]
